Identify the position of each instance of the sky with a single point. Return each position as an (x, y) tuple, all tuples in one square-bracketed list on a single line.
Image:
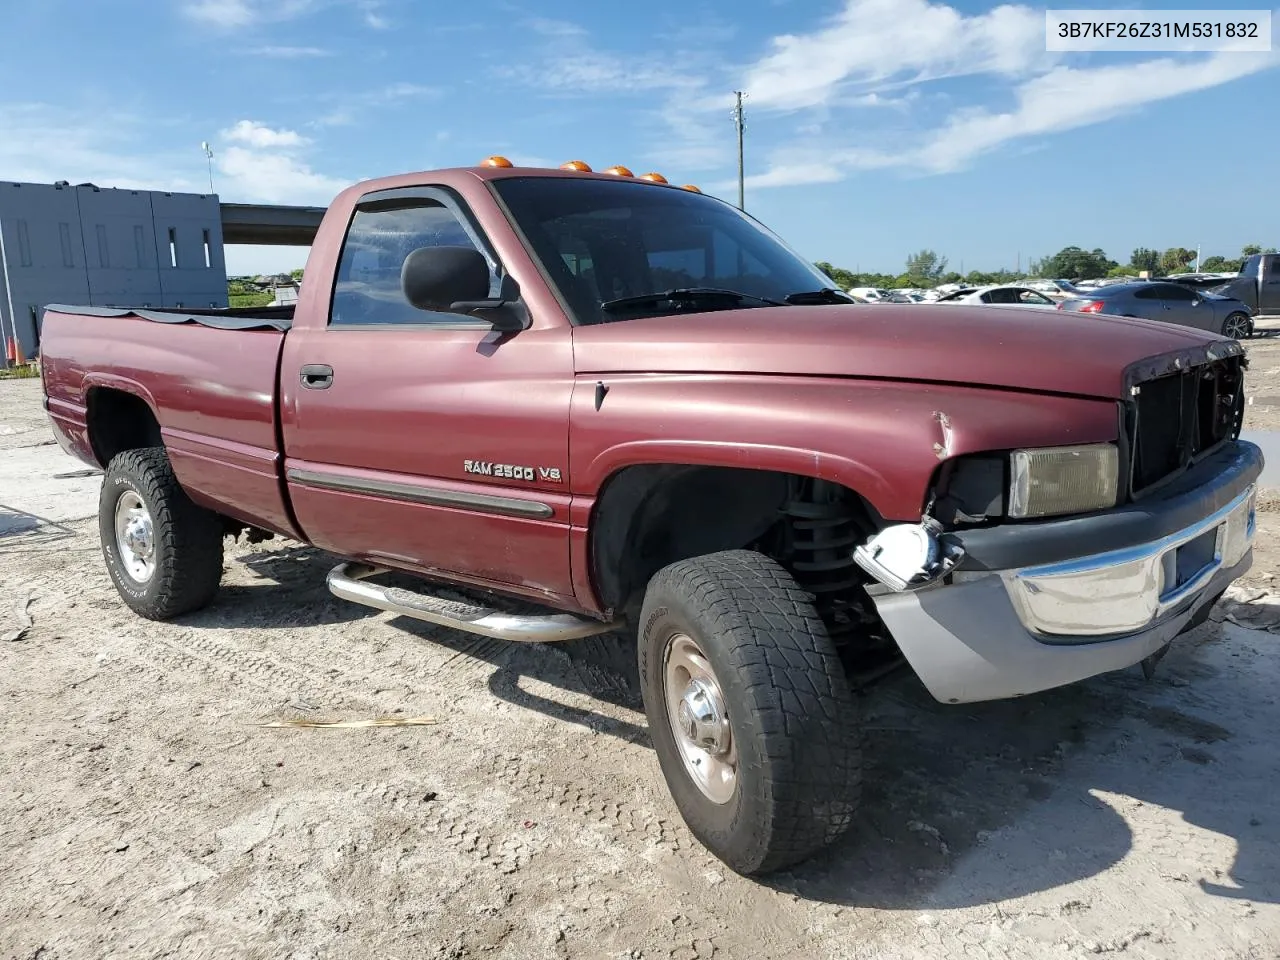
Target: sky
[(874, 128)]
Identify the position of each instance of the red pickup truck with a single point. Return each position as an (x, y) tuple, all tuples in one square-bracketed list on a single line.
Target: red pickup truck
[(632, 405)]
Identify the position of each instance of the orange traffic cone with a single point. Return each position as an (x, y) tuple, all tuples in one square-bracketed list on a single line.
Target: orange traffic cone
[(17, 352), (11, 350)]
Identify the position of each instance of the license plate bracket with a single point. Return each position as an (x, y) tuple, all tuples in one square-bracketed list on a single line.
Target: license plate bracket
[(1193, 556)]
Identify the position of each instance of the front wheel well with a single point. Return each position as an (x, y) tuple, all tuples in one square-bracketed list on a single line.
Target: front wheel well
[(120, 421), (650, 516)]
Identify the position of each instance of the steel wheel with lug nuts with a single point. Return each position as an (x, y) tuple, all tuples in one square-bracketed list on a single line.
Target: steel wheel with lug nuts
[(163, 552), (751, 716), (699, 721), (135, 537), (1237, 326)]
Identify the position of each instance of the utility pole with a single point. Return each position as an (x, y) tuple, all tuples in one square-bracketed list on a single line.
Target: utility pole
[(208, 155), (738, 122)]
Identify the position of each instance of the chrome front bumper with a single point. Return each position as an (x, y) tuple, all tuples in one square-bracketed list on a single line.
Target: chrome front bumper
[(1124, 591), (993, 634)]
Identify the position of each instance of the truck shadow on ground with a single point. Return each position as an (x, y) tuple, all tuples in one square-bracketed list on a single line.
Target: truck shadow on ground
[(962, 805)]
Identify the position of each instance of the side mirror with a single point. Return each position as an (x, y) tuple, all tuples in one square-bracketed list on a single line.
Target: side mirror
[(456, 280)]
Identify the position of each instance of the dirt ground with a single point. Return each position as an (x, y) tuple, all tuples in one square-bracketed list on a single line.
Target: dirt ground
[(146, 812)]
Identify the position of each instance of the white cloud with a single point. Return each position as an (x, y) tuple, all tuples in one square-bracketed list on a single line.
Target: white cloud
[(45, 143), (548, 27), (236, 14), (369, 9), (872, 48), (1067, 98), (229, 14), (273, 177), (876, 41), (260, 135), (289, 53)]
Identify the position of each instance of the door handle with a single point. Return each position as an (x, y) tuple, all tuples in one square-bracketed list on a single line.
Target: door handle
[(316, 376)]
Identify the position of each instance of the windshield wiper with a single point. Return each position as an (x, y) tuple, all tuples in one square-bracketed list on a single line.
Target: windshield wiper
[(825, 295), (697, 295)]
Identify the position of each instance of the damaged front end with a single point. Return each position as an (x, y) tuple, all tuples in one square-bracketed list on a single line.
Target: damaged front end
[(909, 556)]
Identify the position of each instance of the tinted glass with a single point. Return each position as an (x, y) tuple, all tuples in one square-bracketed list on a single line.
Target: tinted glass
[(382, 234), (1173, 292), (602, 240), (1250, 266)]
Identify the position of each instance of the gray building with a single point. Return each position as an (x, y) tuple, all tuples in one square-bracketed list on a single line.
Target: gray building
[(93, 246)]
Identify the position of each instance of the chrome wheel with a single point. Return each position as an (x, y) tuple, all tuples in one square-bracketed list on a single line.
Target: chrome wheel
[(135, 537), (1237, 327), (698, 719)]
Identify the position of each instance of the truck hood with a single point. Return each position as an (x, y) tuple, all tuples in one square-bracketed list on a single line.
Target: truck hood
[(1011, 348)]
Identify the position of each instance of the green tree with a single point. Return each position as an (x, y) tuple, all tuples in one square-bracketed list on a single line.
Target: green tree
[(1125, 270), (927, 265), (1075, 263), (1144, 258), (296, 273), (1250, 249), (840, 277), (1176, 259), (1219, 264)]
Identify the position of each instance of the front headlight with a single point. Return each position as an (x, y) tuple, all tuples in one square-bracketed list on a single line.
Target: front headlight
[(1057, 480)]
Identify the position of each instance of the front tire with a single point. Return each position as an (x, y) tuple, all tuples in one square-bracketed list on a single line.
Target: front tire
[(752, 719), (1237, 326), (163, 552)]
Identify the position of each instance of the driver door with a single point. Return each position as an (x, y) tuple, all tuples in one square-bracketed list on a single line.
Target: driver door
[(425, 439)]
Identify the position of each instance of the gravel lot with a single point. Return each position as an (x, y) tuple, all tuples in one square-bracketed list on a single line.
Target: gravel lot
[(145, 811)]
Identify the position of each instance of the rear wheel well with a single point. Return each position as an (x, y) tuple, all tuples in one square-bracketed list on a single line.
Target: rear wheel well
[(652, 515), (120, 421)]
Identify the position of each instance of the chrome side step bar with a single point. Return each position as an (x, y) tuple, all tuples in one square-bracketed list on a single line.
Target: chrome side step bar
[(347, 581)]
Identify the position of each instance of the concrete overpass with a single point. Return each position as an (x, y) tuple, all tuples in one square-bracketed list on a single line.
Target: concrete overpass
[(270, 224)]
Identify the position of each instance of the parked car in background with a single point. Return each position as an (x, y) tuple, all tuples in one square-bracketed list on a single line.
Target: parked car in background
[(1199, 281), (1007, 295), (1257, 284), (1170, 302), (869, 294), (1056, 289)]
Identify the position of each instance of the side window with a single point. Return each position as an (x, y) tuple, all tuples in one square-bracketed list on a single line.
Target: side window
[(1175, 292), (382, 234), (1275, 268), (1250, 268), (1150, 292)]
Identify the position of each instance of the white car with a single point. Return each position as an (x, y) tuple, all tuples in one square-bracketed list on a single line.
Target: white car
[(870, 294), (1002, 295)]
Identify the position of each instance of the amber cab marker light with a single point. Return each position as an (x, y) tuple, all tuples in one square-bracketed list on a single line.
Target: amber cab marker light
[(618, 170), (691, 188), (579, 165), (654, 177), (496, 162)]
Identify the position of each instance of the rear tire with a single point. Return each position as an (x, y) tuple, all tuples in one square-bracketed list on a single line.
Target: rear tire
[(731, 640), (1237, 326), (163, 552)]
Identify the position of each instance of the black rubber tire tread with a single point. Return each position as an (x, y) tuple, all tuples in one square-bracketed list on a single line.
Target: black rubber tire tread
[(793, 714), (1238, 313), (188, 538)]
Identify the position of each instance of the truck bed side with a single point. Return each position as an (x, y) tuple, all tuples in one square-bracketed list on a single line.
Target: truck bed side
[(209, 385)]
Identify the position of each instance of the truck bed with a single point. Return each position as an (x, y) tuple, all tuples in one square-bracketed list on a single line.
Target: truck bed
[(210, 379)]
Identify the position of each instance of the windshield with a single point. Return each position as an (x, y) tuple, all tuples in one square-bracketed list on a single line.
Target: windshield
[(605, 242)]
